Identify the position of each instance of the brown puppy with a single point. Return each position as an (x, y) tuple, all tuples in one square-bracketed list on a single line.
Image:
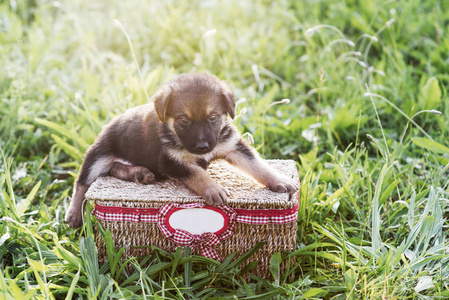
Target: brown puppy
[(186, 128)]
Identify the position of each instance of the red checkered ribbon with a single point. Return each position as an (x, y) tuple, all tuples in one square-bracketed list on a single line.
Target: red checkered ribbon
[(149, 215), (125, 214), (204, 242)]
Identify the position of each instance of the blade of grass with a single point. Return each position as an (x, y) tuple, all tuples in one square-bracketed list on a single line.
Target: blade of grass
[(90, 258), (67, 148), (8, 199), (275, 267), (241, 259), (42, 282), (176, 258), (375, 211), (26, 204), (187, 267), (73, 285)]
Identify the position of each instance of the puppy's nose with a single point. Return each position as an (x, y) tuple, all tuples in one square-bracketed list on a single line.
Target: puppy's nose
[(202, 146)]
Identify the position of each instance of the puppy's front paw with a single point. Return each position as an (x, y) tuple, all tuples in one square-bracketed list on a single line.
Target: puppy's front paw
[(215, 195), (74, 217), (143, 175), (283, 185)]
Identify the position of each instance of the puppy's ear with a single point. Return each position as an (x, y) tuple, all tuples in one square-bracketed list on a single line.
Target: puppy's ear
[(228, 99), (161, 101)]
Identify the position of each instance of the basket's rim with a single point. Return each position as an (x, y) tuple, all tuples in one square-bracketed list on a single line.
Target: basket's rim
[(245, 192)]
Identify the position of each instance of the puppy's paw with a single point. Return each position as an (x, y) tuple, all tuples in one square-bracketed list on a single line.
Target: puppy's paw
[(283, 185), (216, 195), (74, 218), (143, 176)]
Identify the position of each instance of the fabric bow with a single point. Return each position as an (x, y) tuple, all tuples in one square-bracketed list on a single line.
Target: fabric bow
[(204, 242)]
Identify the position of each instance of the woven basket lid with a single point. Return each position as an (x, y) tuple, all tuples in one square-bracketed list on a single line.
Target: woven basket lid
[(244, 191)]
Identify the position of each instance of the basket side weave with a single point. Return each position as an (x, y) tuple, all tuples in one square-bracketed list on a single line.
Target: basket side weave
[(245, 193), (132, 236)]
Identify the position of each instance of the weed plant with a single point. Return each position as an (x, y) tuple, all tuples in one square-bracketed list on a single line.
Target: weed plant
[(365, 121)]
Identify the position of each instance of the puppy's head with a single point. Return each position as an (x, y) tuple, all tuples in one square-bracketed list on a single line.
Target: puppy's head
[(195, 107)]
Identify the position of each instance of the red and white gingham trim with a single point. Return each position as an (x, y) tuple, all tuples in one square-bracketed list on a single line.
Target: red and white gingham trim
[(203, 242), (125, 214), (150, 215)]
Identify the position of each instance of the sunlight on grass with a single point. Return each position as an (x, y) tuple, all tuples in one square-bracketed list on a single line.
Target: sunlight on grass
[(356, 94)]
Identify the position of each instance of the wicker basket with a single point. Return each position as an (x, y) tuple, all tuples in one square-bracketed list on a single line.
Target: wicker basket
[(133, 213)]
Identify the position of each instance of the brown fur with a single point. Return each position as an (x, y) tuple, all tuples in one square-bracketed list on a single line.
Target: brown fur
[(187, 127)]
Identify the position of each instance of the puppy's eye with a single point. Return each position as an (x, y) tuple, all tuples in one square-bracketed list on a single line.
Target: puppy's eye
[(213, 118), (183, 120)]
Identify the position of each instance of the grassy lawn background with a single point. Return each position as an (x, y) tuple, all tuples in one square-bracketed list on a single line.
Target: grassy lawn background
[(366, 122)]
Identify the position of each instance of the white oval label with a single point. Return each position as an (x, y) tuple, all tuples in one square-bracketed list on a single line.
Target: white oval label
[(197, 220)]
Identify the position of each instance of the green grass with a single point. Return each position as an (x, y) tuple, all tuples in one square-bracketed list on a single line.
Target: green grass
[(367, 81)]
